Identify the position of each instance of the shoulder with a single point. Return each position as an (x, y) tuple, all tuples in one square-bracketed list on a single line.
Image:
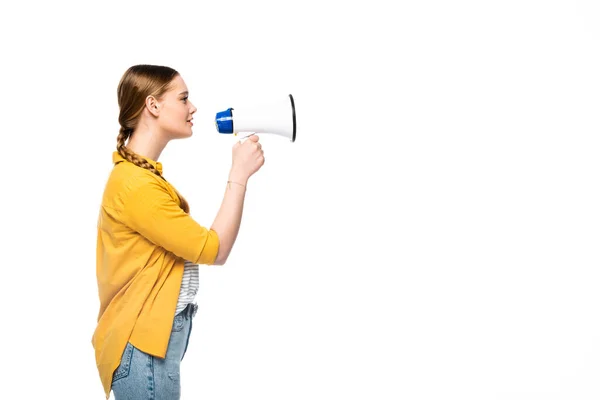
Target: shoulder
[(127, 180)]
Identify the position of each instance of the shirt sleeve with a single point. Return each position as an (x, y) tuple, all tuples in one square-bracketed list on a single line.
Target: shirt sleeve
[(150, 210)]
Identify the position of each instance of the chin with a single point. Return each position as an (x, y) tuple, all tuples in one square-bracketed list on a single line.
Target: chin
[(182, 135)]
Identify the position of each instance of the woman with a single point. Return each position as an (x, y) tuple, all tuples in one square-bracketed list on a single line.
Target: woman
[(148, 246)]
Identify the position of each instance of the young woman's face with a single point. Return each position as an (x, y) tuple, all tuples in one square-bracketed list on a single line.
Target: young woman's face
[(176, 111)]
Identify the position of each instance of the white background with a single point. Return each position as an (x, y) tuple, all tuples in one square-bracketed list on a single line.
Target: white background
[(432, 234)]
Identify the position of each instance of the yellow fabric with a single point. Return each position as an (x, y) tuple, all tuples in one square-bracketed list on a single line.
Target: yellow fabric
[(144, 238)]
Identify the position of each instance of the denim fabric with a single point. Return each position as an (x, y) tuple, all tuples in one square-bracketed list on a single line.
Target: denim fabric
[(141, 376)]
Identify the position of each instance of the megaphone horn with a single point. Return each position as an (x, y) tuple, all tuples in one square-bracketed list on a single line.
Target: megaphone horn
[(278, 118)]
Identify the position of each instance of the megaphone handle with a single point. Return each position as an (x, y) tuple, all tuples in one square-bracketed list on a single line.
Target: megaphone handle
[(244, 137)]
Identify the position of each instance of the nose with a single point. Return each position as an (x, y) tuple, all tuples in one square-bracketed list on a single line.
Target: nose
[(193, 108)]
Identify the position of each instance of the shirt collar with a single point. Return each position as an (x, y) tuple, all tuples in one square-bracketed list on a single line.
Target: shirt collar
[(117, 158)]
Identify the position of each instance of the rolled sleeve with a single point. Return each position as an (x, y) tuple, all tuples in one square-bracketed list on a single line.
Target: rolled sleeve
[(150, 210), (208, 255)]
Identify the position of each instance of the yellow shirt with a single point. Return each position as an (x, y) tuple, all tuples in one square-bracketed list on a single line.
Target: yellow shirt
[(144, 238)]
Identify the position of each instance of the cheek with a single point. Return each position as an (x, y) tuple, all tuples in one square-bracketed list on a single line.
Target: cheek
[(176, 116), (184, 112)]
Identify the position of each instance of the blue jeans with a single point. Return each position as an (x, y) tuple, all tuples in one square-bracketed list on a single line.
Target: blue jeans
[(141, 376)]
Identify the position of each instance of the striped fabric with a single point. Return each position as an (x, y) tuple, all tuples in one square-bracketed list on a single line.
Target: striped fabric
[(189, 286)]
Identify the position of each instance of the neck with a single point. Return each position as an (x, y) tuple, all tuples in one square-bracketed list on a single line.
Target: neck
[(145, 142)]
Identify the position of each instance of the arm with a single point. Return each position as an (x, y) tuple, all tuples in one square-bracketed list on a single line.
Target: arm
[(228, 219), (247, 158), (150, 210)]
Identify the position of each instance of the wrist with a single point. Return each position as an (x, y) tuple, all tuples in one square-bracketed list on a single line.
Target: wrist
[(231, 184), (238, 178)]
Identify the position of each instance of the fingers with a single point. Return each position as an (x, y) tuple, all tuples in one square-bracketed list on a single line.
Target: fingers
[(254, 142), (261, 153)]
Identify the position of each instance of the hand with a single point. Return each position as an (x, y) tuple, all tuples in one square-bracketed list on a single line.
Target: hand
[(247, 158)]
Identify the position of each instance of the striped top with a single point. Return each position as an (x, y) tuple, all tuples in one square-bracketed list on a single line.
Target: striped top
[(189, 286)]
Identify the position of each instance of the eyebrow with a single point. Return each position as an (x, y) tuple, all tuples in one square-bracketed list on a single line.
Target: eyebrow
[(186, 93)]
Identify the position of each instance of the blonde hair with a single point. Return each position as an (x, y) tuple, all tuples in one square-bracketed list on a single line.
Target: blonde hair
[(137, 83)]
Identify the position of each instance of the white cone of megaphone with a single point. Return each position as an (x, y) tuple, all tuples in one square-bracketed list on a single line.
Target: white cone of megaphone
[(278, 118)]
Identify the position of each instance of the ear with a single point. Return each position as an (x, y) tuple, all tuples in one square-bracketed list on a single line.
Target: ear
[(152, 105)]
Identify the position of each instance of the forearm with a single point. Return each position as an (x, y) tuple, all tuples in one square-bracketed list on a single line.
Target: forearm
[(228, 219)]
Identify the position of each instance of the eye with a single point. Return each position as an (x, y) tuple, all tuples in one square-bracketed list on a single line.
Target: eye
[(184, 99)]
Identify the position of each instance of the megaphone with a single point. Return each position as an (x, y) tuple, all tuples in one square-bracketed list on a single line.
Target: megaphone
[(277, 117)]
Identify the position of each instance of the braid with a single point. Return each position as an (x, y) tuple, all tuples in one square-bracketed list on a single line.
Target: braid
[(124, 134)]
